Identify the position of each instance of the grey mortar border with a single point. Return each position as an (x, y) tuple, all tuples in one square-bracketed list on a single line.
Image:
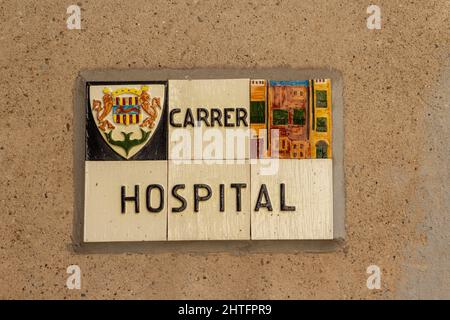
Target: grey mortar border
[(203, 246)]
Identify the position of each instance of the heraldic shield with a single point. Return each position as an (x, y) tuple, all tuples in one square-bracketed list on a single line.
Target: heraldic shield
[(127, 115)]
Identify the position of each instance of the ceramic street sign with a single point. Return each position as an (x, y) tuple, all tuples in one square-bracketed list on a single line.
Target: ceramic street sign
[(211, 159)]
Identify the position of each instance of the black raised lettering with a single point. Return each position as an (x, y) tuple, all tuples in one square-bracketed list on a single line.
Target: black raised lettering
[(124, 199), (238, 187), (263, 192), (227, 117), (216, 116), (149, 194), (222, 197), (202, 115), (241, 117), (188, 118), (180, 198), (172, 122), (283, 205), (197, 197)]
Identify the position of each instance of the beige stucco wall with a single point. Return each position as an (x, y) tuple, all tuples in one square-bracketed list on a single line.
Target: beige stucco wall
[(395, 169)]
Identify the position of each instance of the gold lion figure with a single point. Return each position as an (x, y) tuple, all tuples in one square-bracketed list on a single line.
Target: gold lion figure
[(150, 107), (102, 112)]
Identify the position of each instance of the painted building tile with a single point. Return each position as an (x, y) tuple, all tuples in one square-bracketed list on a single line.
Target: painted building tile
[(320, 123), (288, 115), (258, 118)]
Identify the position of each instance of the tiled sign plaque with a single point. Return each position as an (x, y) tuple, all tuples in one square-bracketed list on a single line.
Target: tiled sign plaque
[(208, 159)]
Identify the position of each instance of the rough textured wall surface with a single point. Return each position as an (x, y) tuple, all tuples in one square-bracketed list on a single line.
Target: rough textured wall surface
[(396, 152)]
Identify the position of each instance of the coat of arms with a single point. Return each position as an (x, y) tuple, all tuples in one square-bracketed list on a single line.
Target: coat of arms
[(127, 116)]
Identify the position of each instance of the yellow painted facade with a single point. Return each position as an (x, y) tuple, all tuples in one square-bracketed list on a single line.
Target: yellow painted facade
[(320, 120), (258, 93)]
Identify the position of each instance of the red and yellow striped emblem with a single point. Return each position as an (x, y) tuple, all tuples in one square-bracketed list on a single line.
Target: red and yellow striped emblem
[(127, 118), (123, 105)]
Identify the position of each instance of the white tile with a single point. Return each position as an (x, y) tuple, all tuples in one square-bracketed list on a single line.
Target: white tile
[(209, 223), (103, 217), (213, 100), (308, 187)]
